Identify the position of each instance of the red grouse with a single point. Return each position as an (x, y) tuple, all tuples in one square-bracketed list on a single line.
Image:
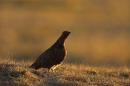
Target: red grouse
[(53, 56)]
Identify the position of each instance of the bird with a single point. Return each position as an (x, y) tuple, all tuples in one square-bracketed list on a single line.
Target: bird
[(53, 56)]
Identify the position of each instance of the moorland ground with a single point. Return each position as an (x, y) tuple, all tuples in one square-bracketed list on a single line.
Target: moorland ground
[(18, 73)]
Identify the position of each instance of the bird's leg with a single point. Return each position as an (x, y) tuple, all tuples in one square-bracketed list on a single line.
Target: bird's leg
[(53, 70), (49, 70)]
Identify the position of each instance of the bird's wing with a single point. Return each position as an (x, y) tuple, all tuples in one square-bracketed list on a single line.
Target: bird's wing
[(45, 57), (52, 57), (49, 58), (59, 56)]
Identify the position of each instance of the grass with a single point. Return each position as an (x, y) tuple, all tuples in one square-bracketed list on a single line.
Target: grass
[(15, 73)]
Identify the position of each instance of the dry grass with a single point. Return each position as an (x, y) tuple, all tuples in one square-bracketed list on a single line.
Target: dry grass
[(14, 73)]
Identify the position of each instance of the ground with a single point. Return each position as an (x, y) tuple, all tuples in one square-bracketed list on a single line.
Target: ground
[(18, 73)]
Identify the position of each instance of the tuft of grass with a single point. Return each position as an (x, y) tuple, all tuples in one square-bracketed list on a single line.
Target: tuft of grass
[(18, 73)]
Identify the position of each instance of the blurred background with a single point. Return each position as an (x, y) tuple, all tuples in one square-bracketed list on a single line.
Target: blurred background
[(100, 29)]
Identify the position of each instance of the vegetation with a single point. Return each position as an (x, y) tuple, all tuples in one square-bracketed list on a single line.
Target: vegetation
[(18, 73)]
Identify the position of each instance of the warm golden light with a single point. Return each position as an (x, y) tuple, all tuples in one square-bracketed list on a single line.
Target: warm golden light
[(100, 29)]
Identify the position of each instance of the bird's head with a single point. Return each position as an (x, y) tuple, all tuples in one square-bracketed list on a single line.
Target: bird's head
[(65, 34), (63, 37)]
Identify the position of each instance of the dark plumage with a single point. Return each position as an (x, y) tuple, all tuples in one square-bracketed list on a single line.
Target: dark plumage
[(53, 56)]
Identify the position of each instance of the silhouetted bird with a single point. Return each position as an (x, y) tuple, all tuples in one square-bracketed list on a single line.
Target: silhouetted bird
[(53, 56)]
